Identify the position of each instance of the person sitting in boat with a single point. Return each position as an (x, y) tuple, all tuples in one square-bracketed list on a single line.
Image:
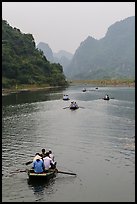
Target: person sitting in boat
[(106, 97), (38, 165), (72, 104), (43, 153), (37, 156), (51, 155), (48, 162), (75, 104)]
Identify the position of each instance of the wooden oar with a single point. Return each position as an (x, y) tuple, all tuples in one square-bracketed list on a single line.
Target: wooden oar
[(65, 107), (18, 171), (63, 172), (81, 107), (29, 162)]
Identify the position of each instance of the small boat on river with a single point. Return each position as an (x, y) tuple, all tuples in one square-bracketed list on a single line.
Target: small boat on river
[(41, 176), (84, 90), (45, 176), (66, 97), (106, 97), (73, 106)]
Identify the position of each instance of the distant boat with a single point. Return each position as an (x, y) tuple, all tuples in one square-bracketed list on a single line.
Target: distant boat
[(84, 90), (65, 97), (106, 97), (73, 106)]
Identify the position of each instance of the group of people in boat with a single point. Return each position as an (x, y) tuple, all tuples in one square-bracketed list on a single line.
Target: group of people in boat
[(84, 90), (73, 105), (44, 161), (65, 97)]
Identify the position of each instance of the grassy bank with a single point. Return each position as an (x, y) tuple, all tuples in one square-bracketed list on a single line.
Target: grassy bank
[(34, 87), (21, 88), (116, 82)]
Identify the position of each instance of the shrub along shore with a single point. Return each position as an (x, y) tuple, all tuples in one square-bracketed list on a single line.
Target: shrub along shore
[(23, 88), (114, 82), (26, 88)]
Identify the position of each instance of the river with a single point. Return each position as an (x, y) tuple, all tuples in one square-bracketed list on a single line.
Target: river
[(96, 141)]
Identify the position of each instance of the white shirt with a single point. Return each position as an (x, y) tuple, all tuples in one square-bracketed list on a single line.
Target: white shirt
[(36, 157), (51, 156), (47, 161)]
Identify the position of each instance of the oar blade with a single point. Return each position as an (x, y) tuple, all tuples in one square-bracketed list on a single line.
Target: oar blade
[(18, 171), (29, 162), (69, 173)]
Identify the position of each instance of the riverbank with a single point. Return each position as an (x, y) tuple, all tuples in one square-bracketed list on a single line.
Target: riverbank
[(27, 88), (115, 82)]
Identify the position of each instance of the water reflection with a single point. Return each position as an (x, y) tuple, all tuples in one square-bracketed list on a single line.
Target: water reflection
[(96, 142), (40, 188), (32, 96)]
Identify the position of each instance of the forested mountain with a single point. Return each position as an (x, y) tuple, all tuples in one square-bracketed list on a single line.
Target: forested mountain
[(23, 63), (111, 57), (62, 57)]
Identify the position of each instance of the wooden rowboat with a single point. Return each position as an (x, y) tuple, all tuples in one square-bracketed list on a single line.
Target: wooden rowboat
[(73, 107), (41, 176), (107, 99), (84, 90)]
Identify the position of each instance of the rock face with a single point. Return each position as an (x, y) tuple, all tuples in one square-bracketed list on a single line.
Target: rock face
[(62, 57), (46, 50), (111, 57)]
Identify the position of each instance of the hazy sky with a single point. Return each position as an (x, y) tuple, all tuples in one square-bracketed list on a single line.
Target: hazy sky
[(64, 25)]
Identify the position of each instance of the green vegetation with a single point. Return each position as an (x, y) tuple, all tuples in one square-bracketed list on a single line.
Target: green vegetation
[(23, 63), (115, 82)]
